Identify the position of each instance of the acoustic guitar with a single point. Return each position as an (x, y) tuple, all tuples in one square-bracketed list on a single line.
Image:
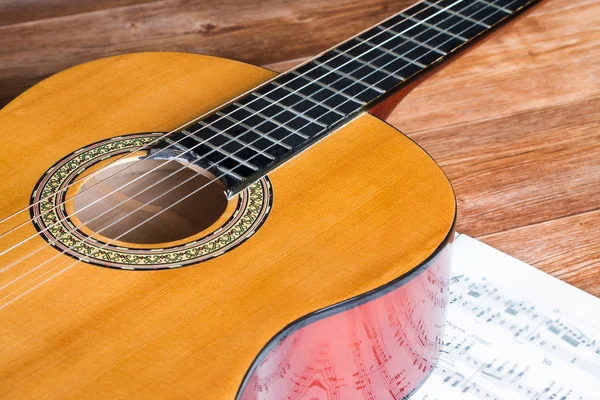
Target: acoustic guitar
[(189, 227)]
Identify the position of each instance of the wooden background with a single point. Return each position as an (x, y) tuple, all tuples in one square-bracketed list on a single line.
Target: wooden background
[(514, 123)]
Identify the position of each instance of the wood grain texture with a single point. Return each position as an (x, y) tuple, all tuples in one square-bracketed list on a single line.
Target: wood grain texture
[(38, 39), (515, 124), (529, 94), (89, 332), (21, 11), (576, 263)]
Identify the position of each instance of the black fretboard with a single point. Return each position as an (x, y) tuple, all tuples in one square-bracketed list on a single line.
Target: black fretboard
[(251, 136)]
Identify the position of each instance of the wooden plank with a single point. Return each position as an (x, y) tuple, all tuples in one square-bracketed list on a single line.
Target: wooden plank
[(566, 248), (531, 187), (20, 11), (514, 134), (521, 169), (546, 58), (253, 31)]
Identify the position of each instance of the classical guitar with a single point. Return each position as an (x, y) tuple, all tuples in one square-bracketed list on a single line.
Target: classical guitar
[(189, 227)]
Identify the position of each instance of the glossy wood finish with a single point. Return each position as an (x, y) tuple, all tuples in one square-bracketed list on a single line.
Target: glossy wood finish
[(524, 162), (384, 348), (539, 78), (344, 221)]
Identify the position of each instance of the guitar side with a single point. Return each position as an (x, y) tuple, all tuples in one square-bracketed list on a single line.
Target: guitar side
[(351, 263)]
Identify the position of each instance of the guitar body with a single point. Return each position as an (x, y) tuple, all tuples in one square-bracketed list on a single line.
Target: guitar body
[(337, 290)]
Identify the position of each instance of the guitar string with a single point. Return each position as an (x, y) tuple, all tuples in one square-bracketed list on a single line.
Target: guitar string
[(5, 251), (193, 121), (135, 227), (367, 75), (210, 152), (17, 261), (73, 264)]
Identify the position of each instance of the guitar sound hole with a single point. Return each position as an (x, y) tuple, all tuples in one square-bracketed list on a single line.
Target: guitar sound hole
[(142, 204)]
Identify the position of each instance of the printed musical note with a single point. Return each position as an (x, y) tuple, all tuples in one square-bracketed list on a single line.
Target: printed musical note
[(514, 332)]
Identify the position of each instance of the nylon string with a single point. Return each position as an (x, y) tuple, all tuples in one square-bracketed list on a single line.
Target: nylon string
[(214, 180), (3, 252)]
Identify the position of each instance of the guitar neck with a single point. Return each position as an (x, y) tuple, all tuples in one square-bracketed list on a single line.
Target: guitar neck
[(273, 123), (390, 55)]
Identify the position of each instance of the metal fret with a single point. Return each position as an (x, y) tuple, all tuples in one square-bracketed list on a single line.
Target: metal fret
[(413, 40), (366, 64), (303, 136), (360, 82), (233, 138), (342, 74), (253, 135), (332, 89), (229, 172), (254, 130), (279, 85), (222, 151), (459, 15), (305, 116), (482, 12), (434, 27), (395, 54), (494, 6), (193, 158)]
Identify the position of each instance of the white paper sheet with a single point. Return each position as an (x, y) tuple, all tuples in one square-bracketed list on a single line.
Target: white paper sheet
[(514, 332)]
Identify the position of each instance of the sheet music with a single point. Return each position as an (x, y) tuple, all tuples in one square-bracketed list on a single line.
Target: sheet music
[(514, 332)]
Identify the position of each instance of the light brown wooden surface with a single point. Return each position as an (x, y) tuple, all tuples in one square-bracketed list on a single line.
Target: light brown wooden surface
[(333, 233), (515, 124)]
